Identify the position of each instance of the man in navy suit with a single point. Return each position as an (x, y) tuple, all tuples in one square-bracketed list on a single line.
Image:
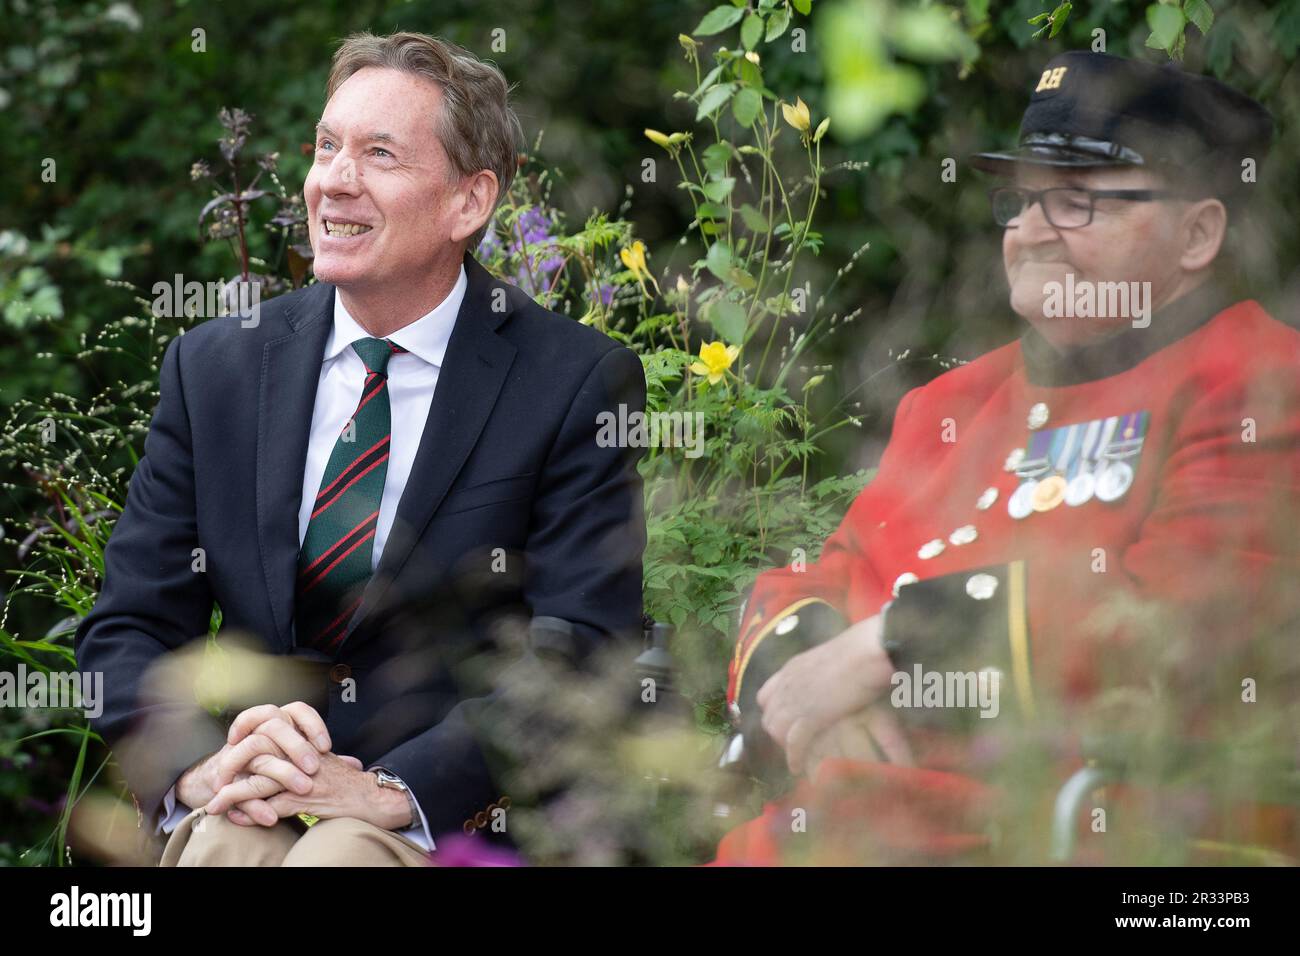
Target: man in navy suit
[(338, 469)]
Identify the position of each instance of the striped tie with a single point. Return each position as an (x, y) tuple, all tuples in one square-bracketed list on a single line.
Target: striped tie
[(334, 563)]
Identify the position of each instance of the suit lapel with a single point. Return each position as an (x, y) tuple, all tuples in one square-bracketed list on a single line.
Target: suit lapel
[(290, 374), (469, 382)]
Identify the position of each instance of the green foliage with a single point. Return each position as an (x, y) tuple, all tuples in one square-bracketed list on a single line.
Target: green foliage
[(1167, 19)]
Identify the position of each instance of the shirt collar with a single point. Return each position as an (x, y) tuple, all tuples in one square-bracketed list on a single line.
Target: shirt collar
[(426, 337), (1048, 366)]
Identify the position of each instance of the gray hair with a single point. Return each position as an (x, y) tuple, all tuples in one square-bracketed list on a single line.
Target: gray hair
[(477, 126)]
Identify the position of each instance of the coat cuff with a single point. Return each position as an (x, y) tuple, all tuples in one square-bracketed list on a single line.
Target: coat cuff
[(966, 622), (792, 630)]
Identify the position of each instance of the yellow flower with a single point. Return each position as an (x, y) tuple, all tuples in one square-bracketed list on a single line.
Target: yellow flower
[(658, 138), (634, 259), (715, 359), (797, 115)]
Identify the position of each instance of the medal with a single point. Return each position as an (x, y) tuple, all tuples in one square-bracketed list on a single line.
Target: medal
[(1114, 482), (1080, 489), (1048, 493), (1130, 442), (1033, 465), (1021, 503)]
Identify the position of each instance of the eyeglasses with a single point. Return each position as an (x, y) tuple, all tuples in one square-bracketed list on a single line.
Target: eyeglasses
[(1066, 207)]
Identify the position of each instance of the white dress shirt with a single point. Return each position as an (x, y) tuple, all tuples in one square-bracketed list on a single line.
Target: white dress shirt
[(412, 377)]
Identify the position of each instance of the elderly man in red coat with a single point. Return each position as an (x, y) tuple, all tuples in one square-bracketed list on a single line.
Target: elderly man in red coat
[(1097, 518)]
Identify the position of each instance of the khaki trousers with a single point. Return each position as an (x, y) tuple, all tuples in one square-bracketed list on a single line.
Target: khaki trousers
[(201, 840)]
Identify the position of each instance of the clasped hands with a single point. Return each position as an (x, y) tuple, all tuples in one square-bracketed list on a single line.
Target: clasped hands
[(825, 702), (277, 762)]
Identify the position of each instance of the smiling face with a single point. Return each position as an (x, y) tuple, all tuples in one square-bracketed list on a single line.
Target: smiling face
[(1126, 241), (384, 203)]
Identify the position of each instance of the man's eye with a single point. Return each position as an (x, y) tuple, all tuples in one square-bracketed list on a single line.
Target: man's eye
[(380, 149), (324, 143)]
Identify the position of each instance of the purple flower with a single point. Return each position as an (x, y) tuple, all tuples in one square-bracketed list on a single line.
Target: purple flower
[(535, 229), (489, 245), (460, 850)]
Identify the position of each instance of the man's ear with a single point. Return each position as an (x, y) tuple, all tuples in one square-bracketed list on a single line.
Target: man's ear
[(1205, 223), (476, 198)]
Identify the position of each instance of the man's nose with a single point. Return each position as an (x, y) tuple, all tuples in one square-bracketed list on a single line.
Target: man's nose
[(341, 176), (1032, 225)]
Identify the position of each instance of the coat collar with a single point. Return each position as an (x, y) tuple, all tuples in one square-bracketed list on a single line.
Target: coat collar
[(1046, 365)]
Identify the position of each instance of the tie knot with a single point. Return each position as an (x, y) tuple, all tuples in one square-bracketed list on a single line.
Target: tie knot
[(376, 353)]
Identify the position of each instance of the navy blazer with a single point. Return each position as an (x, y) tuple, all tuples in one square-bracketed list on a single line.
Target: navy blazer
[(508, 472)]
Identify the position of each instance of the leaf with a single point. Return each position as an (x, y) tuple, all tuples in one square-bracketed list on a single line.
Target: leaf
[(742, 279), (1285, 29), (1166, 26), (718, 260), (298, 266), (715, 159), (803, 6), (754, 220), (719, 190), (751, 31), (1199, 13), (718, 19), (746, 106), (777, 24), (727, 319), (1059, 17), (709, 79), (714, 98), (928, 34), (213, 204)]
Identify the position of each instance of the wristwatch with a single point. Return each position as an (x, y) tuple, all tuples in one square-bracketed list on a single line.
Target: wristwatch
[(386, 778)]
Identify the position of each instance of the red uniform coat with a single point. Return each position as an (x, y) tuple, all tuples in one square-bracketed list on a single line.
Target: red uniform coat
[(1198, 418)]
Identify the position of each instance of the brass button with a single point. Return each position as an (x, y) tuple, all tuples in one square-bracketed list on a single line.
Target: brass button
[(982, 586), (504, 803), (480, 819), (964, 535), (931, 549), (340, 672), (468, 827)]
